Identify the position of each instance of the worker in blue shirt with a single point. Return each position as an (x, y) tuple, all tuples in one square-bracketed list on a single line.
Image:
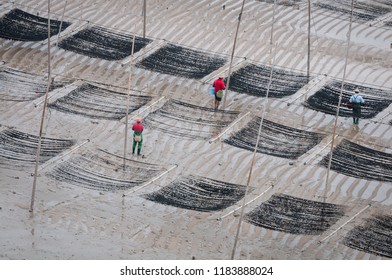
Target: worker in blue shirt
[(357, 101)]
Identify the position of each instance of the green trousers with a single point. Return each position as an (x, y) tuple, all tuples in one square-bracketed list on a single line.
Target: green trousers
[(138, 144)]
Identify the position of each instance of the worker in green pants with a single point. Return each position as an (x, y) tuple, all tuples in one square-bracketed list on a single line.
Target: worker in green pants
[(137, 136)]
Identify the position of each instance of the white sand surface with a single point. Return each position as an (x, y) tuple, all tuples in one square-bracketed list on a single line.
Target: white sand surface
[(75, 222)]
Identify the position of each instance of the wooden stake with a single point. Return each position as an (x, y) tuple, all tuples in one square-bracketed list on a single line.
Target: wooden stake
[(144, 17), (257, 141), (232, 55), (340, 101), (42, 119), (129, 92), (308, 64)]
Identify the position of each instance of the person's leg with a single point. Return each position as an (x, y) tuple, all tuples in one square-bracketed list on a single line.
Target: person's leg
[(139, 146), (133, 146), (355, 114)]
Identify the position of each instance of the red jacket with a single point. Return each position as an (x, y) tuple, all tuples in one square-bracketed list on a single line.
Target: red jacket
[(138, 127), (218, 85)]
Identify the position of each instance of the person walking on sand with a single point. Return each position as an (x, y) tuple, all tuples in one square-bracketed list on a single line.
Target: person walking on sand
[(137, 135), (219, 86), (357, 102)]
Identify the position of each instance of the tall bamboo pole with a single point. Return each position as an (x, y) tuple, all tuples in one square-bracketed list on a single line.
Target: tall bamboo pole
[(340, 101), (129, 92), (144, 17), (308, 64), (42, 119), (272, 63), (232, 55)]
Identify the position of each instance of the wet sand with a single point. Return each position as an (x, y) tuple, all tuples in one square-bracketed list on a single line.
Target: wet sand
[(88, 207)]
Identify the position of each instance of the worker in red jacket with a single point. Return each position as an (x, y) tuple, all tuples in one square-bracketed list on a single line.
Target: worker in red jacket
[(137, 135), (219, 86)]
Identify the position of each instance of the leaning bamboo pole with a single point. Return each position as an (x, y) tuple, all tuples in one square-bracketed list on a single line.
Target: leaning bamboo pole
[(308, 61), (339, 102), (232, 55), (42, 119), (272, 64), (144, 17), (128, 94)]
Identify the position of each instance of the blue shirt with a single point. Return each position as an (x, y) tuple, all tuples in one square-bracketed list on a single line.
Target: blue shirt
[(356, 98)]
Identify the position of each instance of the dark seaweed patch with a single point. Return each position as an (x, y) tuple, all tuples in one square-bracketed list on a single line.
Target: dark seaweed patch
[(179, 61), (295, 215), (98, 42), (199, 194), (288, 3), (326, 100), (99, 103), (362, 12), (275, 139), (185, 120), (384, 2), (104, 172), (21, 86), (360, 162), (18, 149), (253, 80), (374, 237), (21, 26)]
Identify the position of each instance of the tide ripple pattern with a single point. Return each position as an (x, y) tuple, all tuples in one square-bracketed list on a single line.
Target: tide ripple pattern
[(95, 102), (199, 194), (374, 237), (182, 62), (361, 162), (19, 149), (295, 215), (104, 172), (21, 86), (98, 42), (326, 100), (275, 139), (22, 26), (363, 11), (253, 80), (185, 120), (288, 3)]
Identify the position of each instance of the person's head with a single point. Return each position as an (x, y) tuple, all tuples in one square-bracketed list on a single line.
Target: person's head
[(220, 77), (138, 120), (356, 90)]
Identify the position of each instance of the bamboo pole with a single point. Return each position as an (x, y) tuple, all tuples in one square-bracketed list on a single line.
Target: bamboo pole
[(339, 228), (232, 55), (144, 17), (232, 211), (42, 120), (227, 129), (61, 23), (151, 181), (272, 57), (129, 92), (339, 102), (308, 63)]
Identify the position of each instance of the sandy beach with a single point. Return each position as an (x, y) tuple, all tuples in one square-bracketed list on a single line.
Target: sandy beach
[(182, 198)]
